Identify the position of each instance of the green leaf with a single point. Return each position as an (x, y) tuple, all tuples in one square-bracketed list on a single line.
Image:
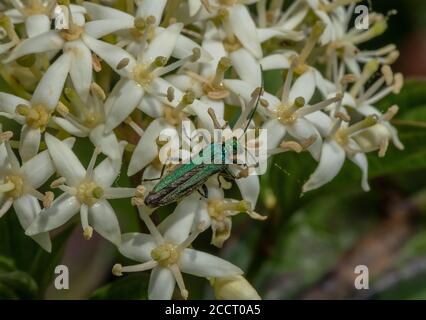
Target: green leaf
[(24, 253), (15, 284), (410, 289), (412, 158), (129, 287)]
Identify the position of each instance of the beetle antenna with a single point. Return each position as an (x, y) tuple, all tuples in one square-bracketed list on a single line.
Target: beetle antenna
[(255, 99)]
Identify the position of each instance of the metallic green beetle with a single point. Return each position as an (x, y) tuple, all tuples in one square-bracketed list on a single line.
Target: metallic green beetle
[(186, 178)]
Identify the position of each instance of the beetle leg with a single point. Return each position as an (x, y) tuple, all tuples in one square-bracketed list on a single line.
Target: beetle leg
[(156, 179), (205, 192)]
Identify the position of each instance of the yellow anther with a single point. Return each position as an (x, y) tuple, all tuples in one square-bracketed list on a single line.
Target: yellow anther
[(62, 109), (97, 91), (88, 233), (123, 63), (196, 54), (5, 136), (117, 270), (170, 94), (139, 23), (48, 199)]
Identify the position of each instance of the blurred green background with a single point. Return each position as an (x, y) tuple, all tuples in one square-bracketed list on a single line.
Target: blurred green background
[(310, 245)]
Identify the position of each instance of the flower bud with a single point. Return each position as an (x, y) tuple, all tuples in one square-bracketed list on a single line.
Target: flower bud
[(234, 288)]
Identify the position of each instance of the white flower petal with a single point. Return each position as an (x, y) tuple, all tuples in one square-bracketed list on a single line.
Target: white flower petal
[(9, 102), (126, 100), (103, 219), (217, 50), (245, 29), (99, 28), (304, 86), (108, 170), (201, 111), (151, 106), (98, 12), (321, 121), (353, 65), (265, 34), (75, 9), (275, 61), (81, 67), (108, 143), (245, 90), (43, 163), (217, 105), (360, 160), (37, 24), (111, 54), (202, 215), (50, 86), (137, 246), (161, 284), (275, 132), (246, 66), (176, 227), (394, 134), (14, 15), (184, 83), (249, 188), (184, 47), (4, 47), (70, 127), (290, 22), (202, 264), (65, 161), (27, 208), (194, 7), (146, 149), (302, 130), (331, 161), (42, 43), (29, 142), (163, 44), (61, 210), (113, 95), (151, 8)]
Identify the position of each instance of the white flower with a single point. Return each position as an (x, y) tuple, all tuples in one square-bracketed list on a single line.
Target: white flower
[(339, 145), (76, 43), (332, 14), (89, 120), (141, 80), (146, 25), (35, 115), (36, 15), (239, 27), (216, 211), (289, 114), (168, 255), (359, 100), (19, 184), (84, 190)]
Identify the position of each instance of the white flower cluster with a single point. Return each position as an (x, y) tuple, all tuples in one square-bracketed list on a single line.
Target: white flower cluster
[(121, 72)]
